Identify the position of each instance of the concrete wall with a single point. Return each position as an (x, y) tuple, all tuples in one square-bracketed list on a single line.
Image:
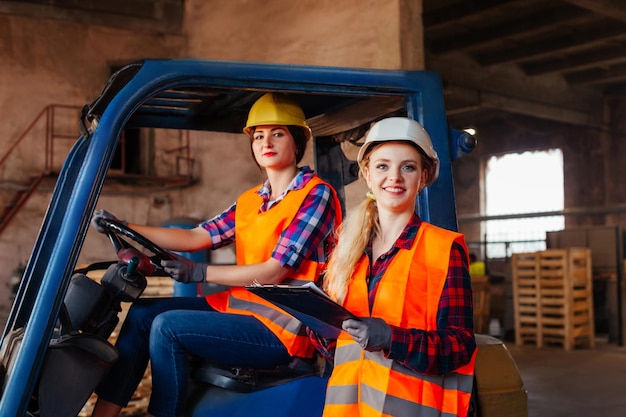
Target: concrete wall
[(350, 33), (54, 55)]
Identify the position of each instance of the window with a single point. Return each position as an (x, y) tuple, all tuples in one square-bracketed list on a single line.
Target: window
[(529, 182), (127, 157)]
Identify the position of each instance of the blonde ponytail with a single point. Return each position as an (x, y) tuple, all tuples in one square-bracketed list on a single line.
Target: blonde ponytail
[(359, 226)]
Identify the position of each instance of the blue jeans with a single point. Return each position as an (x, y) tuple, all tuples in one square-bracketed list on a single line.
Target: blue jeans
[(166, 331)]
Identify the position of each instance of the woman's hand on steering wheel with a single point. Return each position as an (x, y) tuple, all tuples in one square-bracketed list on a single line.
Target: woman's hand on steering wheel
[(100, 215), (107, 223)]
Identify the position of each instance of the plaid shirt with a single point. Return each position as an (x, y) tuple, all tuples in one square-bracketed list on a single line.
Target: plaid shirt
[(433, 352), (306, 237)]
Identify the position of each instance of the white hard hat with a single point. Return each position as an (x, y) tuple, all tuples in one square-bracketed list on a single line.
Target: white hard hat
[(402, 129)]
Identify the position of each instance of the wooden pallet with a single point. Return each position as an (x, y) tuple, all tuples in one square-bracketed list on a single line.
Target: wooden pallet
[(526, 299), (553, 298), (138, 404)]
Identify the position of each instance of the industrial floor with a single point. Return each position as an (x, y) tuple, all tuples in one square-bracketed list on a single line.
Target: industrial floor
[(576, 383)]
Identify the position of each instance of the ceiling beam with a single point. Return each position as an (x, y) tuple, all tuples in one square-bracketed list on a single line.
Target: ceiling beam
[(484, 100), (437, 18), (522, 26), (597, 75), (606, 55), (537, 110), (615, 9), (581, 38), (511, 82), (443, 17)]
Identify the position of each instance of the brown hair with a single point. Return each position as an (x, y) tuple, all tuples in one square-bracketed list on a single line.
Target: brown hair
[(299, 138)]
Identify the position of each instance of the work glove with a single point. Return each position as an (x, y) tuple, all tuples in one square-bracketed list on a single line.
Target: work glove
[(372, 333), (103, 214), (184, 270)]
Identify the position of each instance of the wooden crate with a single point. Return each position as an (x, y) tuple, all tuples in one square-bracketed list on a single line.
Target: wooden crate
[(481, 295), (561, 311), (138, 404), (527, 308)]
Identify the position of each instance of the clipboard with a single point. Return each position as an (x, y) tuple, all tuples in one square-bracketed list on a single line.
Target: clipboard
[(308, 304)]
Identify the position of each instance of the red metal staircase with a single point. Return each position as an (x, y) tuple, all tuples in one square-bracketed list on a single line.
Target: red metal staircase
[(59, 120), (51, 117), (19, 199)]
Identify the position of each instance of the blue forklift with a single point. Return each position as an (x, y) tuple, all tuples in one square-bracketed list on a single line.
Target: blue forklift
[(55, 346)]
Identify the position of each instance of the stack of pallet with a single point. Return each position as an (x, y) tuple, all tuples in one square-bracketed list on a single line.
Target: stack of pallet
[(138, 404), (553, 298)]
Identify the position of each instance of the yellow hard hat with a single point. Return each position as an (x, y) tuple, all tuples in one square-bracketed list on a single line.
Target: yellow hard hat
[(276, 109)]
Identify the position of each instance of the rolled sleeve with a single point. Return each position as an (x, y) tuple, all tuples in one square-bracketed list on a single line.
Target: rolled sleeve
[(221, 228)]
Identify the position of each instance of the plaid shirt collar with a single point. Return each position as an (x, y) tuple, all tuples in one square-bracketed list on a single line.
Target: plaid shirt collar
[(407, 237), (302, 177)]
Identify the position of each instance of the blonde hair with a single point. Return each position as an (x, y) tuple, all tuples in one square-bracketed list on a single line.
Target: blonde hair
[(359, 226), (353, 236)]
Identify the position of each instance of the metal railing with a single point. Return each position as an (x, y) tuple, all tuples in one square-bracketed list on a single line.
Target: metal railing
[(49, 116), (483, 246)]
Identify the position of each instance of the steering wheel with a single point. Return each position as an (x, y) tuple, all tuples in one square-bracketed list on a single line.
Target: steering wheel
[(115, 229)]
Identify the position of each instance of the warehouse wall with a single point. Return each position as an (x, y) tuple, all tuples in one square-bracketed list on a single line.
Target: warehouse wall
[(51, 61), (350, 33), (591, 158), (54, 53), (593, 173)]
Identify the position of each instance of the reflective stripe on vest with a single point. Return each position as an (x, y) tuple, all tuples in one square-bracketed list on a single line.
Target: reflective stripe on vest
[(390, 406), (256, 235), (275, 315), (408, 296)]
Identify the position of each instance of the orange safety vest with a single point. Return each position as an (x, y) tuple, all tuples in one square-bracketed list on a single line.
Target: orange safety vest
[(368, 384), (256, 235)]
